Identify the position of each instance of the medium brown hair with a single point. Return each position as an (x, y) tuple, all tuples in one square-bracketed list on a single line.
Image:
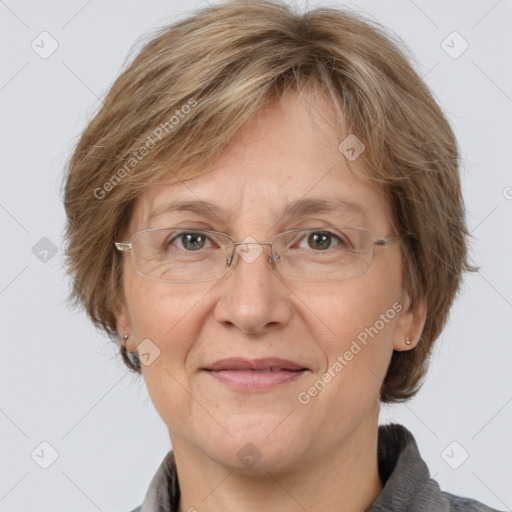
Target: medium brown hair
[(196, 82)]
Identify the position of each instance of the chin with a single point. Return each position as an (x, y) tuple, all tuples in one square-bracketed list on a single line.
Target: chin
[(260, 447), (251, 459)]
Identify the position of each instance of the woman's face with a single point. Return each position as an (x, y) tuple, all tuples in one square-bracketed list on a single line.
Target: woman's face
[(341, 332)]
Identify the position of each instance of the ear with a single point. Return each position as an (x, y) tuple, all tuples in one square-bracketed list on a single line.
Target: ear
[(410, 324), (124, 324)]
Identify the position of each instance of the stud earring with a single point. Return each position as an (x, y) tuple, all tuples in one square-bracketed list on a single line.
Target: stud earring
[(408, 341)]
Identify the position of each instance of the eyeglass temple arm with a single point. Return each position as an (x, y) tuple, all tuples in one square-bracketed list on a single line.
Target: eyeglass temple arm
[(389, 240), (121, 246)]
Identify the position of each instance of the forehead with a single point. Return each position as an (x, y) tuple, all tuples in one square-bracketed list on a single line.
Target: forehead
[(285, 163)]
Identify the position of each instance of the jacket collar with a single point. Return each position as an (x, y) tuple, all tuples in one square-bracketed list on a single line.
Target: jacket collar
[(405, 476)]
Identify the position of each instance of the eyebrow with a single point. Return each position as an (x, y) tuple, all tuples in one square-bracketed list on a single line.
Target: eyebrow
[(297, 208)]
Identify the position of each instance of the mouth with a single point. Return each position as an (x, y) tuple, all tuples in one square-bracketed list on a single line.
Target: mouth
[(255, 374)]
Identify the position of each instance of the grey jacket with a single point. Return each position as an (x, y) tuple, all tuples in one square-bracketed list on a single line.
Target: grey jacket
[(405, 476)]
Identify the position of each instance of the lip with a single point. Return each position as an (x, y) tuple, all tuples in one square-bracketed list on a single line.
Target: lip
[(266, 363), (255, 374)]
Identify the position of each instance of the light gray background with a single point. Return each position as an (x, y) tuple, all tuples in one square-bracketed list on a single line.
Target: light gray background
[(60, 379)]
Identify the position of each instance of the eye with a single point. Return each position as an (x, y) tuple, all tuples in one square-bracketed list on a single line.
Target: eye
[(188, 241), (323, 240)]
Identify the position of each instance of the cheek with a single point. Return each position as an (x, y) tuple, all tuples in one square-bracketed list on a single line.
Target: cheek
[(354, 323), (347, 310), (168, 315), (171, 316)]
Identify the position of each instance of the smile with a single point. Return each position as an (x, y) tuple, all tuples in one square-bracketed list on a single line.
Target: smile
[(255, 374)]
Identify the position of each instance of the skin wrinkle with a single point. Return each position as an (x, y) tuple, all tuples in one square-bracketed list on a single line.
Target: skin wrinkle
[(253, 312)]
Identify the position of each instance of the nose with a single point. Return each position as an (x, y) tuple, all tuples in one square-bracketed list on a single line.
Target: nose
[(253, 297)]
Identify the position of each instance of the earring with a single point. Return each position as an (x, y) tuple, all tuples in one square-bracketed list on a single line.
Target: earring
[(129, 357), (408, 341)]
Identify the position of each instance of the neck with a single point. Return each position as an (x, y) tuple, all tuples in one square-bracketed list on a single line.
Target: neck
[(345, 477)]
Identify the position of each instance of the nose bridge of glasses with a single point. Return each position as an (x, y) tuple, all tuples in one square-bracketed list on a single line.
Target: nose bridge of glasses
[(248, 257), (243, 242)]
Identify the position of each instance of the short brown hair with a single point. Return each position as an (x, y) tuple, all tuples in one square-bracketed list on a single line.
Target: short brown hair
[(212, 72)]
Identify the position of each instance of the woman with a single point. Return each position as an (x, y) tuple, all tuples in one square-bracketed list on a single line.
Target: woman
[(266, 215)]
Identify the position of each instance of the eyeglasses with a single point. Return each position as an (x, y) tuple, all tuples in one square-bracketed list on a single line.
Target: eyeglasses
[(329, 253)]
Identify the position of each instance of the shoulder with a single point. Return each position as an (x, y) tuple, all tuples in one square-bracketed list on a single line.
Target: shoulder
[(407, 485), (163, 493), (461, 504)]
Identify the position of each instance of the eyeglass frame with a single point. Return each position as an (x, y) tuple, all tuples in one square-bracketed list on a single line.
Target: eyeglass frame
[(383, 242)]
